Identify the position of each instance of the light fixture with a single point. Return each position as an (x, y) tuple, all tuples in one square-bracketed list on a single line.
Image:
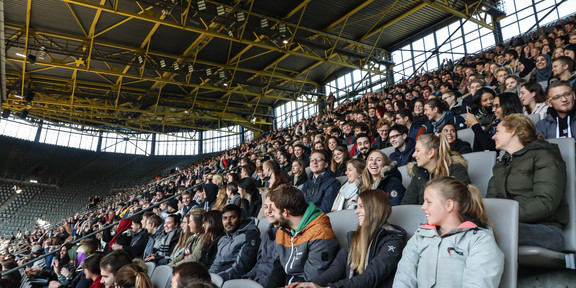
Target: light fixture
[(201, 5), (162, 63), (263, 23), (190, 68), (21, 55), (42, 52), (220, 10), (230, 33), (222, 74), (176, 66), (208, 71), (140, 59), (240, 16), (225, 84), (282, 28), (33, 181)]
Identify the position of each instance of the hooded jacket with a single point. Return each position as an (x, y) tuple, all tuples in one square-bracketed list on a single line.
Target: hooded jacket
[(460, 146), (548, 126), (384, 252), (237, 251), (420, 176), (265, 260), (535, 176), (391, 183), (466, 256), (323, 191), (305, 253), (402, 158)]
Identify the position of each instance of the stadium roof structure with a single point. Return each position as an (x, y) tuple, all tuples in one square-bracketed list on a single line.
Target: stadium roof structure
[(178, 65)]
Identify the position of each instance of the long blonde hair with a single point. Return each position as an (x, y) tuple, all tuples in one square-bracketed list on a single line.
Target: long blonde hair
[(438, 143), (468, 197), (377, 209), (367, 179), (132, 276)]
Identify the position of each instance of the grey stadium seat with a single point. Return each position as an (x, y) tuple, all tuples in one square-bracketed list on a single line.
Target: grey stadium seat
[(480, 168)]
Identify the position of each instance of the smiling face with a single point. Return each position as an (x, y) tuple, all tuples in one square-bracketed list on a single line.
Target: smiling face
[(268, 211), (296, 168), (396, 139), (487, 100), (418, 108), (375, 163), (434, 207), (338, 156), (383, 131), (450, 132), (332, 143), (502, 137), (317, 163), (360, 212), (363, 145), (497, 109), (558, 68), (169, 224), (421, 154), (351, 173), (541, 62), (431, 113), (526, 96)]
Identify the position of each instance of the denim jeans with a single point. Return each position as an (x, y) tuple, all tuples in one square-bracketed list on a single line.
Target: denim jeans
[(541, 235)]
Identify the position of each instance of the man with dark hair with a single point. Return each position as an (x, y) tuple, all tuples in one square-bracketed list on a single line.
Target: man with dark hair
[(438, 117), (511, 59), (322, 186), (187, 203), (139, 239), (305, 244), (237, 249), (452, 103), (560, 121), (154, 228), (570, 50), (110, 264), (562, 68), (284, 161), (301, 153), (403, 145), (189, 273), (363, 145), (405, 117)]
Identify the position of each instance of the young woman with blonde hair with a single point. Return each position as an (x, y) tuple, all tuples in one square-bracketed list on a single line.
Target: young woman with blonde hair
[(433, 159), (457, 247), (373, 251), (382, 174), (347, 197), (192, 249)]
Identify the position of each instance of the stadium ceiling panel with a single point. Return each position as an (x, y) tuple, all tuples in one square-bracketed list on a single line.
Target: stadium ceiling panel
[(179, 65)]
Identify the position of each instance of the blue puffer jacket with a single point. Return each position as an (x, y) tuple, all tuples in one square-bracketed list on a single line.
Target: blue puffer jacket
[(322, 192), (402, 158)]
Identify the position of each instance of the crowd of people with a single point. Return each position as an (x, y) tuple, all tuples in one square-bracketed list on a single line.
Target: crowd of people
[(294, 177)]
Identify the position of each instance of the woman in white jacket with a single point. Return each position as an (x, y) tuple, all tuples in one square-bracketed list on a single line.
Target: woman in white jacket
[(457, 247)]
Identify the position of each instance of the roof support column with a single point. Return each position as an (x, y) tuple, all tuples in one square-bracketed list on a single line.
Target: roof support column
[(153, 145)]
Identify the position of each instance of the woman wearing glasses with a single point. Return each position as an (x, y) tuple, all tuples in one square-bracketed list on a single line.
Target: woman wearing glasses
[(533, 173)]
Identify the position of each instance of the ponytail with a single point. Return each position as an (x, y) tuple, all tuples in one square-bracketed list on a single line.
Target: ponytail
[(439, 143)]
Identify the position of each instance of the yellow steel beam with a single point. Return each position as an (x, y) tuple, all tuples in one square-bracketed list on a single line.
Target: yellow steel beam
[(218, 35), (350, 13), (28, 14), (300, 6), (391, 22), (448, 9)]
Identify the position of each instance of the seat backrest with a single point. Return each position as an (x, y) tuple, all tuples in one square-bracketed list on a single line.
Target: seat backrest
[(388, 150), (150, 266), (504, 216), (263, 226), (408, 217), (466, 135), (244, 283), (405, 176), (567, 149), (534, 117), (480, 168), (343, 221), (342, 179), (216, 279), (307, 169), (161, 276)]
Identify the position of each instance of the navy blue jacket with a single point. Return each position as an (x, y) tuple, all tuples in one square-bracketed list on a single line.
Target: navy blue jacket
[(402, 158), (322, 192), (391, 183)]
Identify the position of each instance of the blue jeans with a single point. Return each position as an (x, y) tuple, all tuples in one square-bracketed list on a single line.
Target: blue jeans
[(541, 235)]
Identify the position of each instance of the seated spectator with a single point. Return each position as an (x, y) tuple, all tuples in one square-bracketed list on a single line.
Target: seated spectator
[(138, 241), (164, 245), (562, 68), (251, 200), (382, 174), (321, 187), (363, 145), (373, 250), (438, 116), (481, 107), (340, 156), (403, 145), (383, 128), (206, 198), (348, 194), (189, 273), (121, 237), (456, 144), (539, 184), (233, 195), (265, 259), (132, 276), (560, 120), (431, 259), (110, 264), (301, 153), (404, 117), (450, 99), (543, 71), (299, 176), (504, 104), (533, 99), (238, 248), (304, 228), (154, 228), (214, 230), (433, 159), (192, 248)]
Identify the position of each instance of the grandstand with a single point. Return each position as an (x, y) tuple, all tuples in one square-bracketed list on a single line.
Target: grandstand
[(118, 98)]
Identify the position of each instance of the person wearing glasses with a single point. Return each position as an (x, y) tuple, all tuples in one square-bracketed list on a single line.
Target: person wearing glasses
[(403, 145), (533, 173), (322, 185), (560, 120)]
